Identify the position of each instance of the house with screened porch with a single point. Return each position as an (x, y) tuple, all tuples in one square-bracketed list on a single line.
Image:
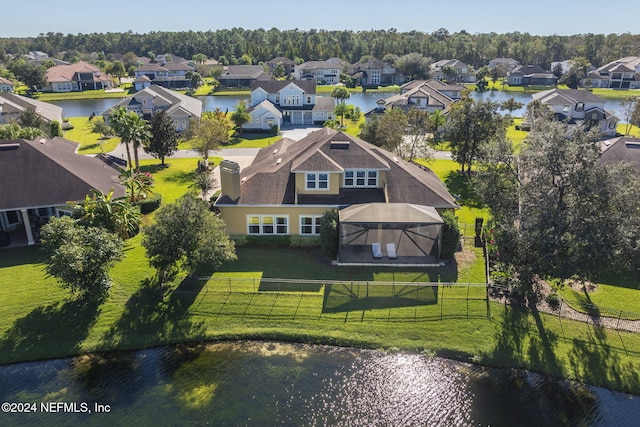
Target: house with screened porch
[(389, 209)]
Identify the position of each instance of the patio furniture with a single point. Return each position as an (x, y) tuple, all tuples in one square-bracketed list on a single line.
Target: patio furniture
[(377, 251), (391, 250)]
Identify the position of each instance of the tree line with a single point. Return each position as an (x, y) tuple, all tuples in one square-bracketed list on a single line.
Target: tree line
[(260, 45)]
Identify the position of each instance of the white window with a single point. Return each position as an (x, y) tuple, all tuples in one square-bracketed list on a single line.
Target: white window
[(267, 224), (310, 225), (316, 181), (579, 106), (361, 178)]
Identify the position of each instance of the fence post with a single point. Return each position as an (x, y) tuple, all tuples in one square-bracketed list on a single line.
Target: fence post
[(441, 300), (468, 288), (229, 284), (619, 316), (253, 280)]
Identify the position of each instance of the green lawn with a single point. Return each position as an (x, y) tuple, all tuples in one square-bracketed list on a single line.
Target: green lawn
[(90, 143), (87, 94), (39, 320)]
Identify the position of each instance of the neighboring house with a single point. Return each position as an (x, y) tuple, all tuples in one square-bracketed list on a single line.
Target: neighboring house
[(564, 65), (429, 95), (507, 64), (242, 75), (12, 105), (36, 55), (382, 199), (288, 64), (6, 85), (374, 73), (38, 179), (322, 72), (530, 75), (75, 77), (622, 73), (180, 108), (274, 103), (621, 149), (577, 106), (172, 75), (463, 73)]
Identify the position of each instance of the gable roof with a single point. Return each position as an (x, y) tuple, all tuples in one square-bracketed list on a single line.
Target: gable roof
[(527, 69), (270, 179), (564, 96), (275, 86), (48, 172), (621, 149), (5, 81), (162, 97), (431, 89), (14, 103), (67, 73), (244, 72), (169, 66)]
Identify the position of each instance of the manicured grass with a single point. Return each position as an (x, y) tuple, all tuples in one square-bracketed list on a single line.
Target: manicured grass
[(39, 320), (620, 94), (175, 177), (87, 94), (516, 136), (90, 143)]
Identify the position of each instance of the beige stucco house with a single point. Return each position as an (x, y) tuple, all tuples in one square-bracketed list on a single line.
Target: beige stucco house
[(291, 184)]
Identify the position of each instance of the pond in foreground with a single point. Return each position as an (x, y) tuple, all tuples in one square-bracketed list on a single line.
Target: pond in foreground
[(263, 383)]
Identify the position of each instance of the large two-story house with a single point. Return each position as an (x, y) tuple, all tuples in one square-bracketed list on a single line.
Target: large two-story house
[(429, 95), (374, 73), (75, 77), (462, 72), (577, 106), (180, 108), (275, 102), (172, 75), (389, 208), (322, 72), (530, 75), (622, 73), (242, 75)]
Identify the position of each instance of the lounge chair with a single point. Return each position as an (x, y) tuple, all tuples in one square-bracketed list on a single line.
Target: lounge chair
[(377, 251), (391, 250)]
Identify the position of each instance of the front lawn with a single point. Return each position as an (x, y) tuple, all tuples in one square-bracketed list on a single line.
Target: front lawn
[(90, 143)]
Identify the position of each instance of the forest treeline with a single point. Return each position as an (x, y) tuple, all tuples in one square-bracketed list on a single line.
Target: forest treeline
[(262, 45)]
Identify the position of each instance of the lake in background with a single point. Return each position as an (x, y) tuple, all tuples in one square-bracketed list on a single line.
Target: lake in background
[(265, 383), (366, 101)]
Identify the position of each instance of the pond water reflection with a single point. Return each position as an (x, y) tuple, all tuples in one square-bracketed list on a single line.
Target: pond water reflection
[(263, 383)]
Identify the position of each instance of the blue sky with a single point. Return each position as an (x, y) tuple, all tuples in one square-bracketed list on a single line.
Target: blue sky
[(544, 17)]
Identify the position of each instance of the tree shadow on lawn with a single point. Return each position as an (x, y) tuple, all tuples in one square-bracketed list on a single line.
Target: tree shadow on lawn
[(156, 314), (154, 168), (361, 297), (597, 360), (462, 186), (517, 341), (55, 330)]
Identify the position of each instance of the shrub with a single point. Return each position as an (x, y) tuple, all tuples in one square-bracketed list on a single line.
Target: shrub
[(329, 234), (450, 235), (269, 241), (151, 204)]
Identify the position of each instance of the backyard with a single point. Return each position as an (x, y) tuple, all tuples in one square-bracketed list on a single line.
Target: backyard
[(368, 306)]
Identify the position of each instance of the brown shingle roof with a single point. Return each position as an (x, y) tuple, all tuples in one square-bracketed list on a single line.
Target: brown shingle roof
[(270, 179), (36, 174)]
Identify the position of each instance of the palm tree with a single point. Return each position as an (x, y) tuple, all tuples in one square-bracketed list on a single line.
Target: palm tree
[(240, 115), (138, 132), (116, 121), (437, 120), (341, 110), (131, 128)]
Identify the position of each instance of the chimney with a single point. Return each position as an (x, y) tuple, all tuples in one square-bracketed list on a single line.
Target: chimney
[(230, 179)]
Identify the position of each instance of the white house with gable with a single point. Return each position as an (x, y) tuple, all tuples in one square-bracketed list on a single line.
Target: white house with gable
[(277, 103)]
